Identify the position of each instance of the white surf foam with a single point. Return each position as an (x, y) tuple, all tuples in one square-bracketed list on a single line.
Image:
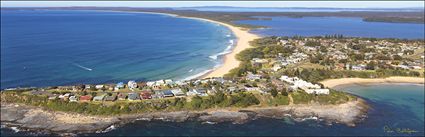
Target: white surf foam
[(226, 51), (85, 68)]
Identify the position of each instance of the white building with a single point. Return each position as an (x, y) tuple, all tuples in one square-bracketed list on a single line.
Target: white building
[(132, 84), (178, 93)]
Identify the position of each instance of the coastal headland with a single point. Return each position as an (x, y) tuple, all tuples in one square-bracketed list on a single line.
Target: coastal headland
[(332, 83), (260, 88)]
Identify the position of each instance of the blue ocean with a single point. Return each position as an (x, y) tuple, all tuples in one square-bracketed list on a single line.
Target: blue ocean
[(319, 26), (395, 106), (53, 47)]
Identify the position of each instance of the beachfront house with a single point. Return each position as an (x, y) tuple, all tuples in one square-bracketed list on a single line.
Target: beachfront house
[(99, 86), (133, 96), (158, 95), (120, 85), (251, 88), (167, 93), (132, 85)]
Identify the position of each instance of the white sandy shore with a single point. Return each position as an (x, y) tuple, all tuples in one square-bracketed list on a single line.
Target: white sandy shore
[(331, 83)]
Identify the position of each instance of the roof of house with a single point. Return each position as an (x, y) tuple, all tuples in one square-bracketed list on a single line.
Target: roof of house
[(111, 98), (86, 97), (133, 96), (100, 97)]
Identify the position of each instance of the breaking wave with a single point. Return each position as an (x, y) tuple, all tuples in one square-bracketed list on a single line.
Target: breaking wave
[(226, 51)]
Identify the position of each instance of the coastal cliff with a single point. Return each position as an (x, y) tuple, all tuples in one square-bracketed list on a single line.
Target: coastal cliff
[(36, 119)]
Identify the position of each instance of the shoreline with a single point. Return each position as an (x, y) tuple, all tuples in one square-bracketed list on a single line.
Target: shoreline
[(243, 37), (333, 83)]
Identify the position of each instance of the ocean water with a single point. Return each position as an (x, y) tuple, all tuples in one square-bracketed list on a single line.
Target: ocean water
[(392, 106), (319, 26), (54, 47)]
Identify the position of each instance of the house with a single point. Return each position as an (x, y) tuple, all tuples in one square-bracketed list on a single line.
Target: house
[(316, 91), (99, 86), (120, 85), (358, 67), (146, 95), (122, 96), (232, 89), (167, 93), (85, 98), (141, 84), (112, 97), (53, 97), (99, 98), (132, 84), (253, 77), (73, 99), (64, 96), (38, 92), (158, 95), (178, 93), (276, 67), (133, 96), (279, 84)]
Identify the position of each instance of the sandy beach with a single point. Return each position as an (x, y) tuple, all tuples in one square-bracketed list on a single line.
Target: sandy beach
[(331, 83), (243, 37)]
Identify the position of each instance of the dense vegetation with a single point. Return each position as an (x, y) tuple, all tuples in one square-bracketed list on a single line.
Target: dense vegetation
[(334, 97), (231, 17)]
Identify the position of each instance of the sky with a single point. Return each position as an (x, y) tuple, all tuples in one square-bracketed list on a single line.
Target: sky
[(309, 4)]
